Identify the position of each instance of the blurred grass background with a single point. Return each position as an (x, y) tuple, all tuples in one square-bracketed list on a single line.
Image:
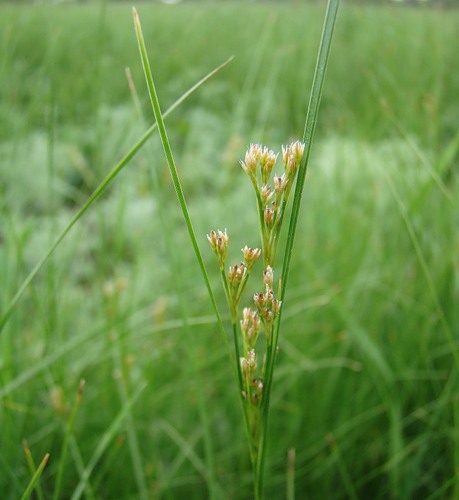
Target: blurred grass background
[(366, 383)]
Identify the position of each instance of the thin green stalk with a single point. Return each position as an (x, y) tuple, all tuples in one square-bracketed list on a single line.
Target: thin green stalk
[(96, 194), (32, 468), (308, 135), (290, 494), (173, 169), (237, 353), (65, 444), (35, 478)]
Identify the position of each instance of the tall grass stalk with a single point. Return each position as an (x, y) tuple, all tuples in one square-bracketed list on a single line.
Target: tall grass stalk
[(295, 158)]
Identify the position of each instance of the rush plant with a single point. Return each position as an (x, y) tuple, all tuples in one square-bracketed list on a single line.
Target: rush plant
[(254, 366)]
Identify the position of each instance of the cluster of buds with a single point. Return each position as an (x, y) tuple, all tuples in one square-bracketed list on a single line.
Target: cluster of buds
[(238, 274), (219, 243), (291, 157), (258, 155), (236, 277), (253, 386), (268, 307), (258, 163), (250, 327)]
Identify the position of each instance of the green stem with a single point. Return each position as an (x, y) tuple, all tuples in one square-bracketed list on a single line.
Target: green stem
[(237, 354)]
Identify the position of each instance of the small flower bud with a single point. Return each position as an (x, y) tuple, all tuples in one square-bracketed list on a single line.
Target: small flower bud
[(268, 316), (268, 277), (252, 360), (259, 300), (297, 150), (235, 274), (269, 217), (291, 156), (250, 257), (250, 326), (269, 296), (266, 194), (251, 159), (279, 184), (219, 243), (275, 307), (267, 160)]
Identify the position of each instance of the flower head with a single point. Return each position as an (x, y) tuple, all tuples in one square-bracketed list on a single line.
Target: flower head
[(251, 158), (219, 243), (267, 160), (250, 257)]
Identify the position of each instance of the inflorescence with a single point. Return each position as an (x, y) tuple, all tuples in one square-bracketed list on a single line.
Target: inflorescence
[(272, 201)]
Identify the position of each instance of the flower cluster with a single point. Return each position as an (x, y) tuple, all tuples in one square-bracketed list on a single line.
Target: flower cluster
[(219, 243), (252, 386), (236, 277), (258, 164)]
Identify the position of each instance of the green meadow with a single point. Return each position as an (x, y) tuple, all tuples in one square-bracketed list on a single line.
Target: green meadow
[(365, 399)]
